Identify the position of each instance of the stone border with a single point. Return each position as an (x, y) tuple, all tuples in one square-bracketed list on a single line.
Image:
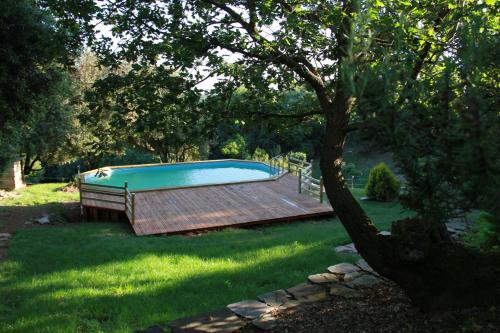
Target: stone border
[(340, 280)]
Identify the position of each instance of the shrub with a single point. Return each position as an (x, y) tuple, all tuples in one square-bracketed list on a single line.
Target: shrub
[(382, 183), (234, 147), (260, 155), (299, 155)]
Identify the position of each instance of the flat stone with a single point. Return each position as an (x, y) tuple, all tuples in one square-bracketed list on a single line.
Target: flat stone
[(274, 298), (385, 233), (151, 329), (365, 267), (323, 278), (265, 322), (361, 263), (352, 275), (5, 235), (290, 306), (349, 249), (364, 281), (249, 308), (342, 291), (342, 268), (308, 293), (222, 321), (44, 219), (460, 226)]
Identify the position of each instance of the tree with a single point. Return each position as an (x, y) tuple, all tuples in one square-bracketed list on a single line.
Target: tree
[(34, 48), (154, 109), (44, 137), (337, 49)]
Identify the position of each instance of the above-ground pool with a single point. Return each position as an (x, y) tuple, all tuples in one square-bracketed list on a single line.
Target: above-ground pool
[(179, 175)]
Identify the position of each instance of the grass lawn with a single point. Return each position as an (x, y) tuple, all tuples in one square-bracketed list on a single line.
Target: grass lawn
[(100, 277)]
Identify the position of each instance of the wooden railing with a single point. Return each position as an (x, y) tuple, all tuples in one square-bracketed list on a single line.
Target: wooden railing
[(124, 196), (277, 165), (303, 169), (311, 185), (130, 204)]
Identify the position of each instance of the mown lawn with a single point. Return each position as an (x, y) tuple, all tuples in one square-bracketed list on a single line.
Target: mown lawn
[(99, 277)]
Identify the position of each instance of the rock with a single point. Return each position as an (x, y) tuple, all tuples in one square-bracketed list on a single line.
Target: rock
[(44, 219), (385, 233), (365, 267), (459, 226), (5, 236), (349, 249), (308, 293), (352, 275), (342, 291), (290, 306), (151, 329), (222, 321), (365, 199), (364, 281), (274, 298), (323, 278), (249, 308), (265, 322), (342, 268)]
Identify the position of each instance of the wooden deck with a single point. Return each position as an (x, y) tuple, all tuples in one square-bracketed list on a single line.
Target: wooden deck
[(217, 206)]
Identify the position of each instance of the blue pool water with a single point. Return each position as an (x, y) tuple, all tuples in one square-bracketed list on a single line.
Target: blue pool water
[(183, 174)]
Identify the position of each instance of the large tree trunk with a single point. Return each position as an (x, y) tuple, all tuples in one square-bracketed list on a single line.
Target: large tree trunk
[(419, 255)]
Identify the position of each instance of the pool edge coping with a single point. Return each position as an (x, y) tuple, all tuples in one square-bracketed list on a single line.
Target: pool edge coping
[(273, 178)]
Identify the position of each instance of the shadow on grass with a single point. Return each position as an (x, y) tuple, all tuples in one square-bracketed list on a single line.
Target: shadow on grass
[(100, 276)]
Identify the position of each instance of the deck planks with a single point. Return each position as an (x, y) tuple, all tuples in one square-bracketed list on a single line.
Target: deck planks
[(218, 206)]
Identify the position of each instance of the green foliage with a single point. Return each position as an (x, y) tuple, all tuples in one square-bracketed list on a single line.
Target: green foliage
[(33, 50), (382, 183), (299, 155), (234, 147), (484, 233), (350, 170), (260, 155)]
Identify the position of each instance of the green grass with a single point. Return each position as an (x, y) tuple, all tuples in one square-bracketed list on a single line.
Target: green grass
[(99, 277), (40, 194)]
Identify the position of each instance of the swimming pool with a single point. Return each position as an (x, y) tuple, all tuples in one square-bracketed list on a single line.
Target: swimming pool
[(149, 177)]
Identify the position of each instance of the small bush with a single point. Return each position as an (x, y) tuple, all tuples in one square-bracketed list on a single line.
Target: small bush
[(234, 147), (260, 155), (382, 183), (484, 234), (299, 155)]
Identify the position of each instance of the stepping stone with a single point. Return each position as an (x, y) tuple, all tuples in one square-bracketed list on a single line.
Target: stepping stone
[(4, 236), (385, 233), (290, 306), (323, 278), (456, 225), (274, 298), (249, 308), (342, 291), (349, 249), (352, 275), (265, 322), (44, 219), (151, 329), (342, 268), (308, 293), (365, 267), (222, 321), (364, 281)]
